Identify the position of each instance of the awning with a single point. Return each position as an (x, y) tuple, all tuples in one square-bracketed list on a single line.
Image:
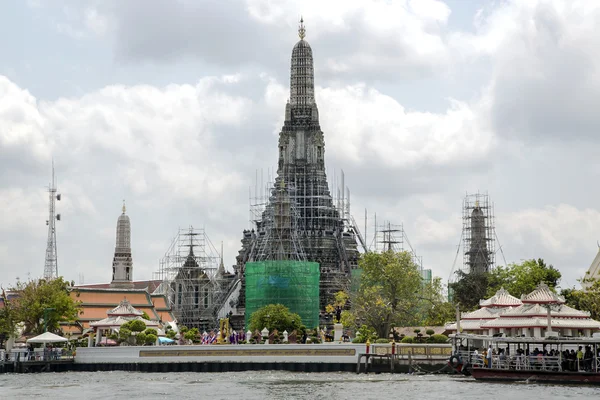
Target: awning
[(47, 338)]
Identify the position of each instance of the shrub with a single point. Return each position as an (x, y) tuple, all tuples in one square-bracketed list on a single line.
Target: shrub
[(365, 333), (140, 339), (274, 316), (150, 339), (151, 331), (382, 340), (439, 338), (430, 332), (407, 339)]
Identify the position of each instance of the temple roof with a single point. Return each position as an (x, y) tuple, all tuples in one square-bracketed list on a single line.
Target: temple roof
[(117, 321), (482, 313), (528, 322), (124, 309), (501, 299), (533, 310), (542, 294), (467, 325)]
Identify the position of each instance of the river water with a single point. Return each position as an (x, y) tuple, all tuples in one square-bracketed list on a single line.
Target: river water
[(273, 385)]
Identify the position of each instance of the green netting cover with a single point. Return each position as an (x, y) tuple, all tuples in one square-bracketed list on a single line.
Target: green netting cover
[(295, 284), (355, 275)]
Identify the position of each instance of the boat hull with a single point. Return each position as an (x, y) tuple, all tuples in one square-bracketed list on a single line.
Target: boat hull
[(562, 377)]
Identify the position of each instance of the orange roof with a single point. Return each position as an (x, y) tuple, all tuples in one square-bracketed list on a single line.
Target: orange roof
[(96, 302), (150, 285)]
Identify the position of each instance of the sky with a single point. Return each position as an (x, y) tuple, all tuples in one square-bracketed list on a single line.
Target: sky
[(175, 106)]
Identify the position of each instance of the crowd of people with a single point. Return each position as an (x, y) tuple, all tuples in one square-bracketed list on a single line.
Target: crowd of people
[(581, 359)]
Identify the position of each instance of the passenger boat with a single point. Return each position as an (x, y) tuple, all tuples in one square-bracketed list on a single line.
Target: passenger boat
[(546, 360)]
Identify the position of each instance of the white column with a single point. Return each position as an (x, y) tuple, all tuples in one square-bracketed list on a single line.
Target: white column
[(537, 332), (587, 332), (568, 332), (98, 336), (525, 331)]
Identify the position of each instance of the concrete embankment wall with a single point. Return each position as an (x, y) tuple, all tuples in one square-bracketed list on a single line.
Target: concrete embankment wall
[(215, 358), (290, 353)]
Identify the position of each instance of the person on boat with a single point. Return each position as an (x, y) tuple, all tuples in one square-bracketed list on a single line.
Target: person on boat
[(489, 354), (588, 357), (579, 359)]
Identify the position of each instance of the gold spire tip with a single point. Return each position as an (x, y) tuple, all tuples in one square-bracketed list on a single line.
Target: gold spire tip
[(124, 209), (301, 30)]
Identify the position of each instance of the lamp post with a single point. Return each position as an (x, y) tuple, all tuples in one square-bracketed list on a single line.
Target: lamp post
[(46, 318)]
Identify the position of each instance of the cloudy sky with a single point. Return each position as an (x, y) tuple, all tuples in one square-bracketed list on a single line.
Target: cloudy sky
[(175, 105)]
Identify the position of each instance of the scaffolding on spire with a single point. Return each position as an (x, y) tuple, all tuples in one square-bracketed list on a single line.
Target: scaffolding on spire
[(191, 282), (51, 264), (478, 241)]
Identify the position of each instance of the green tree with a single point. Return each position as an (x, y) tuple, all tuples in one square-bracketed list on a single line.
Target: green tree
[(585, 300), (523, 278), (39, 295), (145, 316), (8, 320), (469, 288), (275, 316), (389, 293), (434, 310)]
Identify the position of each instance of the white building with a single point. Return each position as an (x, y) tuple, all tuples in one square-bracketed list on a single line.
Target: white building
[(534, 315)]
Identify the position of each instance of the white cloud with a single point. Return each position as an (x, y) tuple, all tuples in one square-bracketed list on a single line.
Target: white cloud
[(185, 153), (368, 126)]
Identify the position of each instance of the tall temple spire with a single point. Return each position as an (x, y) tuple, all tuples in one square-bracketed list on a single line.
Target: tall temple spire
[(300, 221), (301, 30), (122, 268), (302, 88)]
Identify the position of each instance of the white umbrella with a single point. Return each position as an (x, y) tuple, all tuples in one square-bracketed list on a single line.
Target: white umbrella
[(47, 338)]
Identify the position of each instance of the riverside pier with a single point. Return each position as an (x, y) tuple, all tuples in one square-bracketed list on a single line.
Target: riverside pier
[(347, 357)]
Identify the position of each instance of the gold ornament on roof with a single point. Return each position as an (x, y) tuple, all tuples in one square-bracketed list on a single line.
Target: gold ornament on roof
[(124, 207), (301, 30)]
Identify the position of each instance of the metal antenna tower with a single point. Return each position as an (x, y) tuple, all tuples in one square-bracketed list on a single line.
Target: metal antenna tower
[(51, 265)]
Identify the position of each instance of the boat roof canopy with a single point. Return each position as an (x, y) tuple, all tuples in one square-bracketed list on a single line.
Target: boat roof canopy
[(549, 340)]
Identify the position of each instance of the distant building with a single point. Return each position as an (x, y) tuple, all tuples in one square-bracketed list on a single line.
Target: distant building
[(593, 272), (426, 276), (116, 317)]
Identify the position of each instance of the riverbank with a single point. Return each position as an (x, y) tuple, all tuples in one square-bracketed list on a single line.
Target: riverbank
[(334, 357)]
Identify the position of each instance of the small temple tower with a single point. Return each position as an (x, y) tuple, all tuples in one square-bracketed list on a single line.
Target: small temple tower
[(122, 268), (478, 234)]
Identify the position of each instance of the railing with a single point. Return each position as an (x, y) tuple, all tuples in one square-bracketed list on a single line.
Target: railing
[(422, 351), (47, 355)]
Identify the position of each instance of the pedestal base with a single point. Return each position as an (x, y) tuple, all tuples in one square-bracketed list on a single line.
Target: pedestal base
[(338, 331)]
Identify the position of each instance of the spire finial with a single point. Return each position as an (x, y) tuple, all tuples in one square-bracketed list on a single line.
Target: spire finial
[(301, 30), (124, 209)]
